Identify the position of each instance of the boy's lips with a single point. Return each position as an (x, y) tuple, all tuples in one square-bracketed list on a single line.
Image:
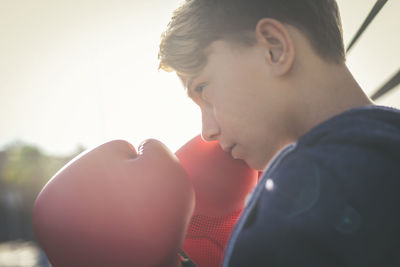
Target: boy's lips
[(234, 152), (229, 149)]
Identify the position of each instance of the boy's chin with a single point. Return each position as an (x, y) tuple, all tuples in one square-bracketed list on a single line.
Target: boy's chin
[(258, 165)]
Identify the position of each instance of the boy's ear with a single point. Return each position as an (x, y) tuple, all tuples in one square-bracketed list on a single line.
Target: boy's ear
[(278, 44)]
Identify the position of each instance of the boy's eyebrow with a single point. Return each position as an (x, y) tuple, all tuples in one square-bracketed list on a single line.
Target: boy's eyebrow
[(188, 84)]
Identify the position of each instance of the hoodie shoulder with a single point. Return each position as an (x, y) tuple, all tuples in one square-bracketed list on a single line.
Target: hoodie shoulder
[(366, 125)]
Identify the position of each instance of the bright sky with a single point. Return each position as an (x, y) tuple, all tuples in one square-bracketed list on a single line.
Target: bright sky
[(85, 71)]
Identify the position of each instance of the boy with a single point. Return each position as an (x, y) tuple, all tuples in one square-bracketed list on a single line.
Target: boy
[(271, 81)]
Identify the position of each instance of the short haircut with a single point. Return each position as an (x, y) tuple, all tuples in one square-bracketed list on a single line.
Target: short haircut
[(198, 23)]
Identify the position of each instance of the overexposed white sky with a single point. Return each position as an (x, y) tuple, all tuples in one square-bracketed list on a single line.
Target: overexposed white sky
[(85, 71)]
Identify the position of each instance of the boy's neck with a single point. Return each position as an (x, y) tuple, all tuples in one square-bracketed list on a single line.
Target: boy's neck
[(332, 90)]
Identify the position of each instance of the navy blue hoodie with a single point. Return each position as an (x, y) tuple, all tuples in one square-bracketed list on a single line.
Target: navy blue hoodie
[(331, 199)]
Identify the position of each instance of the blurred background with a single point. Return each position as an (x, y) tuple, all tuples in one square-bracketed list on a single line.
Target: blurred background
[(75, 74)]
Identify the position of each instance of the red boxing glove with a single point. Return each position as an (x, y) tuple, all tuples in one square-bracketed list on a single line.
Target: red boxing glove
[(221, 185), (114, 207)]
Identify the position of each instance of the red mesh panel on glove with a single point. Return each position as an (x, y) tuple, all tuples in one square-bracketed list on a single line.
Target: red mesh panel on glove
[(207, 238)]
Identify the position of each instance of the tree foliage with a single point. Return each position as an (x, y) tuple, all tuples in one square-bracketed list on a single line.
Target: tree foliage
[(24, 170)]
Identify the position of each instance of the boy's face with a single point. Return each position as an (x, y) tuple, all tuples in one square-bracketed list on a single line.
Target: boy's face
[(243, 104)]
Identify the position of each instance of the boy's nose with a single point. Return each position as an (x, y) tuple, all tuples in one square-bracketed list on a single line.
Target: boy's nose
[(210, 128)]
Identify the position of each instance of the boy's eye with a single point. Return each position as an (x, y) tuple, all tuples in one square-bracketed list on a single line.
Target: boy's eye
[(197, 92), (199, 89)]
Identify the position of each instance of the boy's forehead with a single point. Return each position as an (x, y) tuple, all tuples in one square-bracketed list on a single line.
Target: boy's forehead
[(215, 54), (188, 78)]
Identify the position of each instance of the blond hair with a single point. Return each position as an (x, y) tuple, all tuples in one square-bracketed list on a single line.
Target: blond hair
[(198, 23)]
